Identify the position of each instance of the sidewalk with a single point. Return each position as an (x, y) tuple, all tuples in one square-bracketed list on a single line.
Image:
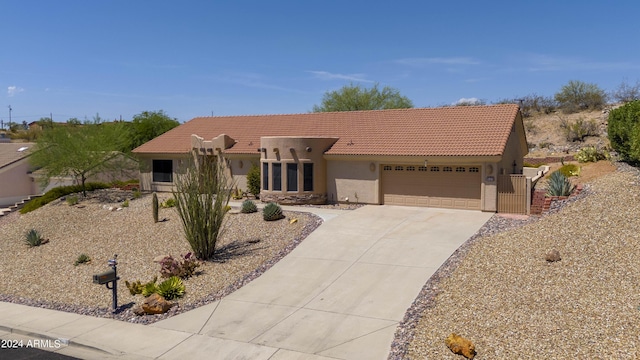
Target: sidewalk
[(339, 295)]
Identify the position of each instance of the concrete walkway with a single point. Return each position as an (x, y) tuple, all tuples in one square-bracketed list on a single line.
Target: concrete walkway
[(339, 295)]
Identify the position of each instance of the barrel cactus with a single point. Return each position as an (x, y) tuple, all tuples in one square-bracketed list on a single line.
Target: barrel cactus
[(271, 212), (248, 207)]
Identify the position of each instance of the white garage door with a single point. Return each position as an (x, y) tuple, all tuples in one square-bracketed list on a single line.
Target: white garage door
[(455, 187)]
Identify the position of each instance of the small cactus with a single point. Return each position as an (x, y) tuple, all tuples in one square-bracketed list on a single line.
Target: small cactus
[(248, 207), (271, 212), (155, 205)]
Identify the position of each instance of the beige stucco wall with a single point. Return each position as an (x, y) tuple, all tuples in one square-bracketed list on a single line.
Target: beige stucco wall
[(146, 170), (353, 181), (240, 165), (16, 183), (299, 150), (515, 150)]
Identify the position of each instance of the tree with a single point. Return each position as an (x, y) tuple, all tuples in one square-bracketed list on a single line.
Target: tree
[(354, 97), (202, 193), (253, 180), (624, 131), (149, 125), (577, 95), (78, 151), (626, 93)]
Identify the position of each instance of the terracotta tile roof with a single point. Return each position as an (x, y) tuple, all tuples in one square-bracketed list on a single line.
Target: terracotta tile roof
[(9, 153), (445, 131)]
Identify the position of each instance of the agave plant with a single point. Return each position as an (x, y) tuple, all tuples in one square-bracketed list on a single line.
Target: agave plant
[(559, 185), (171, 288), (34, 238)]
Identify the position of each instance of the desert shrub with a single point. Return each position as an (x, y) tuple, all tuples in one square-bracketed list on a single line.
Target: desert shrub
[(624, 131), (237, 194), (533, 103), (202, 194), (271, 212), (559, 185), (149, 288), (169, 203), (531, 165), (137, 287), (172, 288), (34, 238), (72, 200), (59, 192), (578, 95), (82, 259), (530, 126), (591, 154), (125, 203), (626, 93), (579, 129), (253, 180), (137, 194), (545, 145), (182, 268), (248, 207), (569, 170)]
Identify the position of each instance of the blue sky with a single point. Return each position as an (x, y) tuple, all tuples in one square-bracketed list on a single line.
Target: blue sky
[(194, 58)]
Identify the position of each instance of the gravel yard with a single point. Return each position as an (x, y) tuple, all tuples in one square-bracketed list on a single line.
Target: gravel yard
[(45, 276), (499, 292)]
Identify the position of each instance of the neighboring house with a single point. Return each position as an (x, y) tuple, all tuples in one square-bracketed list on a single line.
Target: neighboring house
[(448, 157), (16, 182)]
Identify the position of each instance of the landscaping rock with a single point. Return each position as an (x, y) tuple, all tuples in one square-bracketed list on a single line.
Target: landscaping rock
[(156, 304), (461, 346), (137, 309), (553, 256)]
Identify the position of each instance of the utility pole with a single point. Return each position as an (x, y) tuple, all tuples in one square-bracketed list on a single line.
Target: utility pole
[(10, 117)]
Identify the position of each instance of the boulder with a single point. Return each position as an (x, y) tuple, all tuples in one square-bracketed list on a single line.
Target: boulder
[(156, 304), (553, 256), (461, 346), (137, 309)]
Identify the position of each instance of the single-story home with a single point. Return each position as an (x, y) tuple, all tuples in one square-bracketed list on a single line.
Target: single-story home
[(448, 157)]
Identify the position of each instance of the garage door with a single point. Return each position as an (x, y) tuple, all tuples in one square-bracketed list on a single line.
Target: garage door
[(455, 187)]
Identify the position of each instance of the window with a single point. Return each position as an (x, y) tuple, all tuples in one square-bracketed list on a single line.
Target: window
[(292, 177), (474, 169), (387, 168), (460, 169), (447, 169), (435, 168), (422, 168), (307, 170), (163, 171), (399, 168), (411, 168), (277, 176), (265, 176)]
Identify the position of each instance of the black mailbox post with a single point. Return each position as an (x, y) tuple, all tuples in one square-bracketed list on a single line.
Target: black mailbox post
[(110, 279)]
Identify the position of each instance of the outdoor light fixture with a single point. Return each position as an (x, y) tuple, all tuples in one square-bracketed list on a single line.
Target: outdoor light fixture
[(276, 150), (292, 150), (425, 163), (308, 149)]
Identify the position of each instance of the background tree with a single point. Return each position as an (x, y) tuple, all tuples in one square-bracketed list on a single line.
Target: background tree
[(626, 93), (79, 151), (624, 131), (577, 95), (354, 97), (148, 125)]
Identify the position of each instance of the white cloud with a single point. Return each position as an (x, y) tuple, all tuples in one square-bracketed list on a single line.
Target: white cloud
[(468, 101), (12, 90), (459, 60), (325, 75)]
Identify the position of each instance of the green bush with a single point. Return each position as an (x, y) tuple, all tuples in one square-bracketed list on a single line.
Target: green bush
[(624, 131), (578, 95), (559, 185), (169, 203), (591, 154), (253, 180), (125, 204), (272, 211), (72, 200), (172, 288), (248, 207), (33, 238), (59, 192), (569, 170), (82, 259)]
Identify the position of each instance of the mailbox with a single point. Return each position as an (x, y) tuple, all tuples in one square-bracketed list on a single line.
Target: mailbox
[(105, 277)]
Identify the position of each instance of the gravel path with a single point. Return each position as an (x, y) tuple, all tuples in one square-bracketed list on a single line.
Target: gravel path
[(45, 276), (498, 291)]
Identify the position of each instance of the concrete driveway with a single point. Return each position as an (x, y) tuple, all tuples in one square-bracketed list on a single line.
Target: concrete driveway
[(339, 295)]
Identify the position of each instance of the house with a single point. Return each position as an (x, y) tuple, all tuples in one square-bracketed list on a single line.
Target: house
[(448, 157), (16, 181)]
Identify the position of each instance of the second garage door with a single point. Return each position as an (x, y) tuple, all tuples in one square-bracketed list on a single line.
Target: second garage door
[(455, 187)]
